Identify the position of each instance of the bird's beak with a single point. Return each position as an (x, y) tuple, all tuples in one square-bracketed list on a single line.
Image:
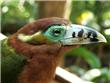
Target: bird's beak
[(77, 34)]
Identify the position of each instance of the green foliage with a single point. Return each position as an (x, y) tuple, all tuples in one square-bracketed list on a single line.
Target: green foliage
[(103, 77), (78, 70), (88, 56), (11, 63), (94, 14), (108, 39), (16, 13), (97, 75)]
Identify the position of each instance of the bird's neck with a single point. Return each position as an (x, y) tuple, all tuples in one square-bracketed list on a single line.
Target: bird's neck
[(41, 61)]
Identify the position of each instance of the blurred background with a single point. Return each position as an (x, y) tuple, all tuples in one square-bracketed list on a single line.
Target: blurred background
[(90, 62)]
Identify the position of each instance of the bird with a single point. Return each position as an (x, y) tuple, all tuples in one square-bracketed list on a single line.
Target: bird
[(32, 54)]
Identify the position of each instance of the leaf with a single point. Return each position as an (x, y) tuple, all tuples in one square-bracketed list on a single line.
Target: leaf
[(98, 75), (88, 56)]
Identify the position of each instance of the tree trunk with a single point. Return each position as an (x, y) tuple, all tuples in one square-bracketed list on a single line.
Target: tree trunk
[(51, 8)]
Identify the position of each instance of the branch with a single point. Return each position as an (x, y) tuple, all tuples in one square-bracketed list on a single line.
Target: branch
[(67, 77)]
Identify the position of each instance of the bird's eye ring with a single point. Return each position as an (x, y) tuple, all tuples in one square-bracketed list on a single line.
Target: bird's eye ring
[(56, 32)]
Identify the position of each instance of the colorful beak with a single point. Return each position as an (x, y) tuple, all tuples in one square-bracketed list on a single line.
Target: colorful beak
[(77, 34)]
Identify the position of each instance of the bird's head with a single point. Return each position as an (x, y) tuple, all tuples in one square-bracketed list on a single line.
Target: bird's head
[(58, 30), (44, 41)]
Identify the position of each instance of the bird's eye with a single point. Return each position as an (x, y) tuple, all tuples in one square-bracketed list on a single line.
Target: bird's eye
[(56, 32)]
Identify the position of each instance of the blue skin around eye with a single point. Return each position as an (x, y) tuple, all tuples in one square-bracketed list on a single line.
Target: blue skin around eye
[(50, 35)]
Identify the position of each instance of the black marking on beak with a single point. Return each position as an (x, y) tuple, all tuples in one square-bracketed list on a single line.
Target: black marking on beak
[(80, 33), (73, 35), (89, 34), (93, 39), (94, 36)]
